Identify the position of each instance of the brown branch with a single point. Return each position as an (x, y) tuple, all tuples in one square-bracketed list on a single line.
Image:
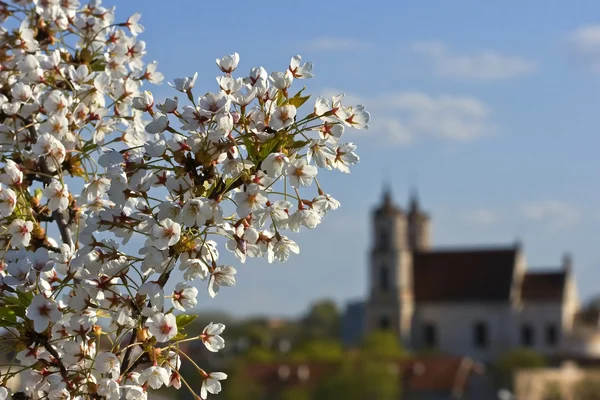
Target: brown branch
[(53, 353), (59, 217), (162, 281), (125, 363), (63, 227)]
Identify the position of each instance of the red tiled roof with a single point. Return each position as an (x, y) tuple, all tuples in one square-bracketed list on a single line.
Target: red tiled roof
[(438, 373), (463, 275), (544, 286)]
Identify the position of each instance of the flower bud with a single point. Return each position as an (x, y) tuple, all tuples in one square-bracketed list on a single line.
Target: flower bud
[(38, 232), (143, 335), (97, 329)]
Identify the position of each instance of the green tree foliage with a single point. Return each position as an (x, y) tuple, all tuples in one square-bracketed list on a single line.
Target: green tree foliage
[(295, 393), (259, 354), (240, 386), (373, 380), (382, 344), (322, 321), (515, 360), (587, 389), (318, 350), (257, 332)]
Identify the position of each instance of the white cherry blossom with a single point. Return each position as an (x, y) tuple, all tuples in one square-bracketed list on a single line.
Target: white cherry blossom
[(283, 117), (299, 71), (42, 312), (211, 384), (210, 337), (249, 200), (162, 326), (57, 195), (105, 191), (222, 275), (20, 232), (155, 376), (184, 296), (228, 63), (300, 173), (166, 233)]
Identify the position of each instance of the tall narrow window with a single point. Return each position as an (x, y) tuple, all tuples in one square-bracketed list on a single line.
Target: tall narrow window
[(527, 335), (385, 235), (430, 335), (551, 335), (480, 335), (384, 323), (384, 278)]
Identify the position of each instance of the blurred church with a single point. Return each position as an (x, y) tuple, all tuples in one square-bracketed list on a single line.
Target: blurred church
[(475, 301)]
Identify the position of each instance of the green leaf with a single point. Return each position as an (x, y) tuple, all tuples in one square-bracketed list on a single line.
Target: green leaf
[(229, 182), (184, 320), (98, 65), (250, 147), (179, 336), (298, 144), (8, 316), (12, 300), (298, 101), (89, 146), (25, 298), (267, 147), (207, 188), (280, 99)]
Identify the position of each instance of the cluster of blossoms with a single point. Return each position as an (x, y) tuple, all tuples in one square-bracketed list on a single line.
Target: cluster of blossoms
[(89, 162)]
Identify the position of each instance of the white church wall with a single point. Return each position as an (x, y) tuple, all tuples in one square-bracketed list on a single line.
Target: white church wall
[(539, 316), (455, 328)]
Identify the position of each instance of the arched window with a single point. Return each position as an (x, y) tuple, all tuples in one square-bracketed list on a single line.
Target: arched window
[(480, 334), (430, 335), (384, 323), (384, 278), (551, 335), (527, 335)]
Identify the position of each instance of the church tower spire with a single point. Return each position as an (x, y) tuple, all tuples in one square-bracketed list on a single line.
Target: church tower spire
[(413, 200), (390, 304), (418, 224)]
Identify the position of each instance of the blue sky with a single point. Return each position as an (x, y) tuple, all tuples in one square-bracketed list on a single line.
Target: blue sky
[(491, 108)]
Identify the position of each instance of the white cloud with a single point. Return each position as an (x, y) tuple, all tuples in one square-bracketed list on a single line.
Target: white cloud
[(481, 217), (332, 44), (482, 65), (584, 45), (402, 117), (555, 214), (396, 132)]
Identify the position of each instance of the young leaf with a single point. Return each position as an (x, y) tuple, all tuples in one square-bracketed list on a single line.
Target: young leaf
[(298, 101), (184, 320)]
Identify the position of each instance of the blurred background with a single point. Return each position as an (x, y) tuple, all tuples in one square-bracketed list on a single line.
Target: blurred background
[(465, 249)]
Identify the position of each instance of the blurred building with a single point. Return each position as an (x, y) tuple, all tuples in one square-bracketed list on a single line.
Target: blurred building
[(567, 382), (421, 378), (477, 302)]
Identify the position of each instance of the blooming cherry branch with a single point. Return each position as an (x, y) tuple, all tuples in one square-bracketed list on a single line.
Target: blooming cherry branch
[(89, 163)]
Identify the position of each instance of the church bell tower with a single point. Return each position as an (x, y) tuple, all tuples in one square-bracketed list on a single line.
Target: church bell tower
[(390, 305)]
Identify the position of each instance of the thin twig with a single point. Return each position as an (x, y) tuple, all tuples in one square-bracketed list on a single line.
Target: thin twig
[(59, 217)]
